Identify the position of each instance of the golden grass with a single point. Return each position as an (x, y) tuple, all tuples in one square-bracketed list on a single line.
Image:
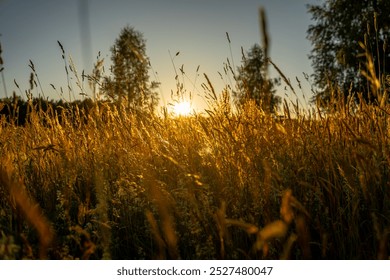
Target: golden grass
[(226, 184), (229, 183)]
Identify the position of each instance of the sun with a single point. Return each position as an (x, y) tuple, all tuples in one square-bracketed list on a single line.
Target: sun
[(182, 108)]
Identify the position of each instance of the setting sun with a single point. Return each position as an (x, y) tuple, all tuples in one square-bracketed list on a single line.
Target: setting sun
[(182, 108)]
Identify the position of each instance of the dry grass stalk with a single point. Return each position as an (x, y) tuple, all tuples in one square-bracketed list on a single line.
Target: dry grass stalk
[(167, 226), (26, 205)]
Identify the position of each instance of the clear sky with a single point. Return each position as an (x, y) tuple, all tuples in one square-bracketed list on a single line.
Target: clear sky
[(197, 28)]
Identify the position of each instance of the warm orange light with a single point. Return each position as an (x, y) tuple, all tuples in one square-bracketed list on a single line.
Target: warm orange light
[(182, 108)]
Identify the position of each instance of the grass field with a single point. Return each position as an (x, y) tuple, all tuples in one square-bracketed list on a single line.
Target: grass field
[(223, 184), (227, 183)]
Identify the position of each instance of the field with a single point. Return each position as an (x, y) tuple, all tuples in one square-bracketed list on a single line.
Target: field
[(223, 184)]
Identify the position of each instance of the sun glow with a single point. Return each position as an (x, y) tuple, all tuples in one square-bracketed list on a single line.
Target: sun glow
[(182, 108)]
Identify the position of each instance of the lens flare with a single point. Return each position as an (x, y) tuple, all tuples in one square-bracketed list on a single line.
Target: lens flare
[(182, 108)]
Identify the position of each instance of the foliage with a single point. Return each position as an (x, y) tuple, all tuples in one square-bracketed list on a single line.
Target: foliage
[(340, 29), (229, 184), (130, 70), (94, 180), (19, 112), (253, 82)]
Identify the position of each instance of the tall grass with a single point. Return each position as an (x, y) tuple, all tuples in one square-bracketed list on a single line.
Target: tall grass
[(228, 183)]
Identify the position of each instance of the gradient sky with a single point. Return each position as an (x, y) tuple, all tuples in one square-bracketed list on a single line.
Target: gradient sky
[(30, 30)]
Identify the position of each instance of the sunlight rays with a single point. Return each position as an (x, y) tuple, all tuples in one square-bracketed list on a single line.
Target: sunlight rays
[(182, 108)]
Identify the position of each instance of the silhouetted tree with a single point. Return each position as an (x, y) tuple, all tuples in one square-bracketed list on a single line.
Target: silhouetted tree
[(17, 111), (253, 82), (130, 71), (339, 29)]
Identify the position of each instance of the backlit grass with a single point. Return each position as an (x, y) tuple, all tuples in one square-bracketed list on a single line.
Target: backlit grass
[(231, 184)]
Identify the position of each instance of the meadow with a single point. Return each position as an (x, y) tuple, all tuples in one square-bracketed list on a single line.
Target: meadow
[(223, 184), (106, 181)]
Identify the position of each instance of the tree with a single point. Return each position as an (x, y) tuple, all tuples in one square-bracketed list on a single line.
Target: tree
[(345, 36), (253, 82), (130, 71)]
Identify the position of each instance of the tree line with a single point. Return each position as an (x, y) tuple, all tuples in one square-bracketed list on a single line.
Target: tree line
[(17, 111), (350, 57)]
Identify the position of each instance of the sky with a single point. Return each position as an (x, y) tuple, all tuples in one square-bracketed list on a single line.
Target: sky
[(197, 29)]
